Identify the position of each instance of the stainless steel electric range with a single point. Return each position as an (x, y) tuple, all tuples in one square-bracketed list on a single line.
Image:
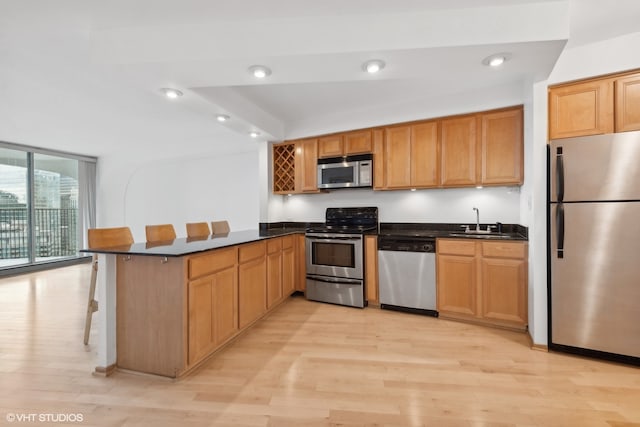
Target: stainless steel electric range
[(335, 270)]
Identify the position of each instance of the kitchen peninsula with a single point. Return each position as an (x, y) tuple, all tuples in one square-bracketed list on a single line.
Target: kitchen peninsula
[(179, 301)]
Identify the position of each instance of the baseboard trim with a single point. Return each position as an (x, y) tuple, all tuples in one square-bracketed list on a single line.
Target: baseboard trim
[(537, 347), (102, 371)]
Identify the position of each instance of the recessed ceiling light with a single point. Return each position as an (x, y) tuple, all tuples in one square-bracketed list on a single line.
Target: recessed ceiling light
[(259, 71), (222, 117), (171, 93), (254, 134), (496, 60), (373, 66)]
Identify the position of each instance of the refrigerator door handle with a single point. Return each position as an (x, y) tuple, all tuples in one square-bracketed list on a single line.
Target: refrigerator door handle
[(559, 174), (560, 228)]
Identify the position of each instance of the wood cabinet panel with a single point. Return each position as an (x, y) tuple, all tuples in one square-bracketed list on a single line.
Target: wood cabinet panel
[(425, 155), (309, 170), (371, 268), (579, 109), (225, 305), (330, 146), (456, 247), (627, 105), (379, 181), (516, 250), (457, 285), (397, 155), (503, 295), (359, 142), (250, 251), (284, 168), (151, 293), (208, 263), (201, 323), (501, 145), (252, 291), (274, 245), (288, 270), (301, 264), (459, 151), (274, 278)]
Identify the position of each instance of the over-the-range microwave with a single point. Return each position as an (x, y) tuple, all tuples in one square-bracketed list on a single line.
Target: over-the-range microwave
[(345, 172)]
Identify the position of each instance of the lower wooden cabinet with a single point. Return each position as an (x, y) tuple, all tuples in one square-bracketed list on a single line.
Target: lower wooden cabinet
[(288, 265), (252, 283), (483, 281), (274, 271), (301, 263)]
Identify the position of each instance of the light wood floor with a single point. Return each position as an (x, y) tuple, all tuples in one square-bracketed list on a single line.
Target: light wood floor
[(306, 364)]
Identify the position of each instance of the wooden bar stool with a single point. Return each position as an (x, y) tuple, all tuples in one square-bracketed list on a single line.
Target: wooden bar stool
[(100, 238), (219, 227), (160, 232), (198, 229)]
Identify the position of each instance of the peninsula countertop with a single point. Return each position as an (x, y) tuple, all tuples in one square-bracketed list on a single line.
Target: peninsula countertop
[(187, 246)]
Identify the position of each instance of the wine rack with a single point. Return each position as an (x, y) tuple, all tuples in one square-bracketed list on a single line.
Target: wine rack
[(284, 168)]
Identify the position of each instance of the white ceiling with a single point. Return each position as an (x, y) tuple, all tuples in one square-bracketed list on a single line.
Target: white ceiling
[(86, 73)]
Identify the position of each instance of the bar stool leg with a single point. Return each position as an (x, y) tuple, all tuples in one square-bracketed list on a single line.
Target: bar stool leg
[(92, 305)]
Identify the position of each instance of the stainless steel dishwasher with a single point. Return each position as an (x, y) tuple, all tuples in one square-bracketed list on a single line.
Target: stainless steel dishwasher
[(407, 274)]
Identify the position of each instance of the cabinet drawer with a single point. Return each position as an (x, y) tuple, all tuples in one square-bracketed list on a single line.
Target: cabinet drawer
[(210, 262), (515, 250), (252, 250), (456, 247), (287, 242), (274, 245)]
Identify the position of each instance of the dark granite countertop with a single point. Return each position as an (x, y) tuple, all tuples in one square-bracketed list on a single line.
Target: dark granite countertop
[(449, 230), (187, 246)]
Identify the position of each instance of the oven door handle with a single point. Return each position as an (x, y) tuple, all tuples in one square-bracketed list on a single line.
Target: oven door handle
[(340, 281), (333, 239)]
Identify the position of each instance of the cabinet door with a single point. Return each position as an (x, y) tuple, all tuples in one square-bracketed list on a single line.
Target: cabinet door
[(501, 147), (371, 268), (627, 109), (425, 160), (307, 152), (504, 292), (201, 334), (358, 142), (330, 146), (288, 270), (252, 290), (581, 109), (301, 264), (459, 151), (225, 305), (397, 155), (378, 160), (456, 285), (274, 278)]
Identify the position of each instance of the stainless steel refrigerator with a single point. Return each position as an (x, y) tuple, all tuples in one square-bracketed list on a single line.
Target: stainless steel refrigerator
[(594, 246)]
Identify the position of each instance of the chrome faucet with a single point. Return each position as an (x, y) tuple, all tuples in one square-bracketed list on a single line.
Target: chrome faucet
[(477, 218)]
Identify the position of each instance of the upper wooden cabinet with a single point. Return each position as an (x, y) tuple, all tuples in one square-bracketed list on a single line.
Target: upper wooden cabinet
[(459, 142), (345, 144), (411, 156), (295, 167), (595, 106), (484, 148), (330, 146), (501, 147), (579, 109), (627, 107)]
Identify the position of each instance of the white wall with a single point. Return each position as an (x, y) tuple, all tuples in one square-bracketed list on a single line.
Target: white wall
[(177, 191), (429, 205)]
